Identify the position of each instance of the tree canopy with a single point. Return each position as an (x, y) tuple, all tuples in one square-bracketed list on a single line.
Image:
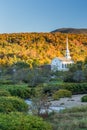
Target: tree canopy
[(40, 48)]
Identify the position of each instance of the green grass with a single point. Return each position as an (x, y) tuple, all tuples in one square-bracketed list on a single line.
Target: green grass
[(70, 119)]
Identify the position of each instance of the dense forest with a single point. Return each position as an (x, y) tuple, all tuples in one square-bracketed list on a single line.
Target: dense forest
[(40, 48)]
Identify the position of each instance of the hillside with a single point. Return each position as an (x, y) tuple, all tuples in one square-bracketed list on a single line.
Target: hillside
[(40, 48), (71, 30)]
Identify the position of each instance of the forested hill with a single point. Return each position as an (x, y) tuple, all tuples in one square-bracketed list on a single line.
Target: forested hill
[(72, 30), (40, 48)]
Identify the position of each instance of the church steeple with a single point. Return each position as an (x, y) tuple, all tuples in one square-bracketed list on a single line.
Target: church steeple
[(67, 50)]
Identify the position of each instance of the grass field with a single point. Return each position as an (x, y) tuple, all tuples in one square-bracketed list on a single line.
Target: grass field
[(72, 119)]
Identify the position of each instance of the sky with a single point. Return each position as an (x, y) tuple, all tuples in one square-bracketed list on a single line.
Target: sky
[(41, 15)]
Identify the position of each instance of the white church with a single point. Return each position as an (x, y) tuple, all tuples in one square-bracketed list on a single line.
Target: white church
[(62, 63)]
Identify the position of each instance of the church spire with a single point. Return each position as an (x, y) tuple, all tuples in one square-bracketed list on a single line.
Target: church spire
[(67, 50)]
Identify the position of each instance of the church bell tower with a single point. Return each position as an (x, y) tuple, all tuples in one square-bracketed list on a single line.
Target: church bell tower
[(67, 50)]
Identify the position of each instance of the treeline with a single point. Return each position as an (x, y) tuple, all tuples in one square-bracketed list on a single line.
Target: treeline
[(40, 48)]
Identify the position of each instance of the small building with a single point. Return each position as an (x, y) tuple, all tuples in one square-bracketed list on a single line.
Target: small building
[(62, 63)]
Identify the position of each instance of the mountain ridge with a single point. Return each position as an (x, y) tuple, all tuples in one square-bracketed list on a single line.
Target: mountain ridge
[(71, 30)]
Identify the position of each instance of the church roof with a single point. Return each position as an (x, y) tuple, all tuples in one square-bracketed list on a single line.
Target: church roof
[(64, 59)]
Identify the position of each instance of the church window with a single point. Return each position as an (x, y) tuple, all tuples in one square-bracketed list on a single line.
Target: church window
[(62, 65), (65, 65)]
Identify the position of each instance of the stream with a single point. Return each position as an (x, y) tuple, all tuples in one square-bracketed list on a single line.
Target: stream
[(50, 109)]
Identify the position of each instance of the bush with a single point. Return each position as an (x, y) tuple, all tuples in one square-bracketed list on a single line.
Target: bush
[(9, 104), (18, 90), (19, 121), (84, 98), (4, 81), (4, 93), (50, 89), (61, 94), (75, 88)]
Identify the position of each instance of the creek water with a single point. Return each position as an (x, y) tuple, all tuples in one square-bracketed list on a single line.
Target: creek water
[(51, 108)]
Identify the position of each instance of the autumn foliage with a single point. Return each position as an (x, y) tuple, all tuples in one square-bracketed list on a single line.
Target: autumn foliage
[(40, 48)]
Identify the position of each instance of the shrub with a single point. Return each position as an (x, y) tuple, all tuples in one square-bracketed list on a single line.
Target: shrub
[(20, 121), (5, 81), (4, 93), (84, 98), (61, 94), (9, 104), (18, 90), (75, 88), (50, 89)]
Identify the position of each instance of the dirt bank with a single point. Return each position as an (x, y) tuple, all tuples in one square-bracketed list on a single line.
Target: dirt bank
[(74, 101)]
